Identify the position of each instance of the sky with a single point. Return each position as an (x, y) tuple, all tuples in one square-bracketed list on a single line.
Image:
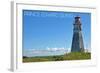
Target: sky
[(51, 32)]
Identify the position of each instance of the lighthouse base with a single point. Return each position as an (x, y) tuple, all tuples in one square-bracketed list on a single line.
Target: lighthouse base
[(77, 42)]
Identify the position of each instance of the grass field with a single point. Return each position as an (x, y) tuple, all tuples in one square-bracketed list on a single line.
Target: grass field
[(69, 56)]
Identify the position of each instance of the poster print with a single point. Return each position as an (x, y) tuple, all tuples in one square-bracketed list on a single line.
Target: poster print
[(52, 36)]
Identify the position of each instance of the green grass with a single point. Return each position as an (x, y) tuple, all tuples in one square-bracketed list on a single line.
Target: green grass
[(69, 56)]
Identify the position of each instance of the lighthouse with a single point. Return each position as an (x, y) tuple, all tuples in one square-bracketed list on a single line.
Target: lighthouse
[(77, 40)]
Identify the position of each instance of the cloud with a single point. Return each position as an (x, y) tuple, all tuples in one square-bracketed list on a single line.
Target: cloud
[(87, 50), (57, 49), (45, 52)]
